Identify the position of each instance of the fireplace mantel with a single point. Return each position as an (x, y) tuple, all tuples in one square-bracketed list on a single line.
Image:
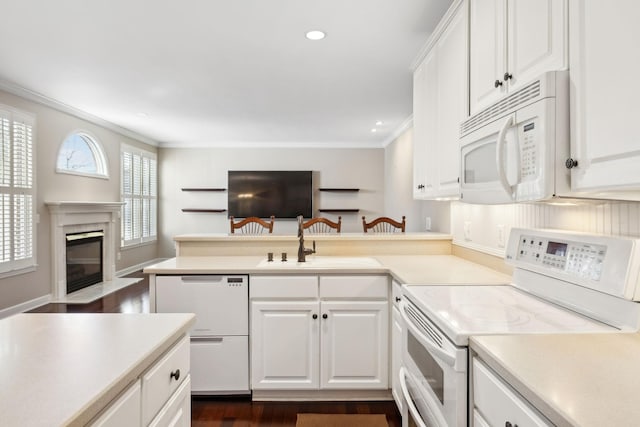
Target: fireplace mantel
[(77, 217)]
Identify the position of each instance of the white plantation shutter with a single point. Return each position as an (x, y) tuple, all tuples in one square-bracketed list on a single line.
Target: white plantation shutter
[(139, 194), (17, 191)]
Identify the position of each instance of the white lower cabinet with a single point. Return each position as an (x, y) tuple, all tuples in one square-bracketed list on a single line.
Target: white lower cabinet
[(495, 403), (161, 396), (396, 345), (310, 332), (125, 411)]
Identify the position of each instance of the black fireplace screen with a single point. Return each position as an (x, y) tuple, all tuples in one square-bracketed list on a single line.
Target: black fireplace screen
[(84, 260)]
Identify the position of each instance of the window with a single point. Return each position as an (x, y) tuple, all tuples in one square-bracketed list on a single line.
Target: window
[(82, 154), (139, 194), (17, 190)]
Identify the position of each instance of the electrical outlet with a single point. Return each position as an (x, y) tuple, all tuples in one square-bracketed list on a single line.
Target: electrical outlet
[(427, 223), (467, 230), (500, 236)]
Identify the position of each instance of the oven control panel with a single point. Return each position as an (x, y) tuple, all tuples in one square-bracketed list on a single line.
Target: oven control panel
[(609, 264), (580, 259)]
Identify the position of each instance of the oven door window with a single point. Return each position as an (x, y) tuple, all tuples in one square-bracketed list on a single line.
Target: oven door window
[(431, 372)]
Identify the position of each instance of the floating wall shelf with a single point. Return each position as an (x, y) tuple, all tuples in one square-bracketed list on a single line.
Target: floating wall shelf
[(353, 190), (339, 210), (203, 210), (204, 189)]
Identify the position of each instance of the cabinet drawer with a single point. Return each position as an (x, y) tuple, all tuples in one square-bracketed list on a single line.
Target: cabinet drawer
[(498, 404), (177, 411), (124, 411), (160, 381), (367, 287), (220, 364), (283, 287)]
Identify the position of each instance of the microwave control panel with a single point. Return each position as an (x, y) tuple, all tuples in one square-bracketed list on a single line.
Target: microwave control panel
[(528, 150), (579, 259)]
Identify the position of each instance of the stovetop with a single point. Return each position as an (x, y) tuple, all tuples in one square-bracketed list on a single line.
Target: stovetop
[(461, 311)]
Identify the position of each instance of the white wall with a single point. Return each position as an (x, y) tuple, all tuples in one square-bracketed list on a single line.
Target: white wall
[(611, 218), (52, 126), (208, 167), (398, 193)]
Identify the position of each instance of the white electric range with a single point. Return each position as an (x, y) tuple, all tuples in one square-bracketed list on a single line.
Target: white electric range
[(562, 283)]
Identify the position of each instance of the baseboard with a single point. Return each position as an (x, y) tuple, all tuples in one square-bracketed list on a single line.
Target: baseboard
[(25, 306), (321, 395), (138, 267)]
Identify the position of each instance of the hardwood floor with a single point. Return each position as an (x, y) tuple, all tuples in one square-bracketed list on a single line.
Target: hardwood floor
[(225, 411)]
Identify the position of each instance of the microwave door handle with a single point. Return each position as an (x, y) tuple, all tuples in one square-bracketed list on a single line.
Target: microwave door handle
[(500, 163), (428, 342), (407, 398)]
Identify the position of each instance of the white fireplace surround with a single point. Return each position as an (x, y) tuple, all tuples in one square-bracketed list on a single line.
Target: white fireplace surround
[(79, 217)]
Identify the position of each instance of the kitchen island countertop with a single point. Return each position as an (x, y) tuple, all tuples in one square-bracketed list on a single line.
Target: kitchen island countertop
[(586, 380), (62, 369)]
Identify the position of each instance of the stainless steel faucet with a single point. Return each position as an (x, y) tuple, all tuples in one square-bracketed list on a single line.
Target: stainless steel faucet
[(302, 251)]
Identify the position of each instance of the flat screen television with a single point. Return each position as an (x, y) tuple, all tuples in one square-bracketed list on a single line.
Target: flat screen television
[(284, 194)]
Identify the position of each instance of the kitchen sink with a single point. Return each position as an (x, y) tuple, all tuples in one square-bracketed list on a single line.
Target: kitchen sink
[(322, 262)]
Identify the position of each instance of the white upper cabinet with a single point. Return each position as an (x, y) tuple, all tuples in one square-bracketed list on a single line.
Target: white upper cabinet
[(604, 65), (511, 43), (440, 104)]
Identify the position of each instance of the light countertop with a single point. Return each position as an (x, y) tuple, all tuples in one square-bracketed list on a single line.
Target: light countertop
[(586, 380), (224, 237), (62, 369), (407, 269)]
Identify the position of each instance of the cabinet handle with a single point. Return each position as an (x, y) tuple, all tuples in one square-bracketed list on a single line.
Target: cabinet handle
[(324, 316), (571, 163), (508, 424), (398, 299), (507, 76), (497, 83), (420, 187), (315, 316), (176, 374)]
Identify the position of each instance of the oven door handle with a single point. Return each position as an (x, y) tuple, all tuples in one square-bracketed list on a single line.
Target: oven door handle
[(431, 346), (408, 400)]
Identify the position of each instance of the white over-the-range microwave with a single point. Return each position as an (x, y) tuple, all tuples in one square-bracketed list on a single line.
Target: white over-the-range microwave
[(516, 150)]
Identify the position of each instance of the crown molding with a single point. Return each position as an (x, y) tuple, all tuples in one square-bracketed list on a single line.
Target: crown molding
[(406, 124), (275, 144), (30, 95)]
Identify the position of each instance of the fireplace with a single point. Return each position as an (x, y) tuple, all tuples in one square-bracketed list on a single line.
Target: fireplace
[(84, 259), (70, 218)]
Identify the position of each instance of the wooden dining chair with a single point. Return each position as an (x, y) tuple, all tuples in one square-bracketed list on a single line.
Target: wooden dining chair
[(252, 225), (384, 225), (322, 225)]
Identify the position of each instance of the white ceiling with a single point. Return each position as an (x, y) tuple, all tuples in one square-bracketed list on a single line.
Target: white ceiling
[(223, 72)]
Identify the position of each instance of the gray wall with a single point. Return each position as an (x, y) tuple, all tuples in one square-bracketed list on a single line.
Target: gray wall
[(52, 126), (207, 167)]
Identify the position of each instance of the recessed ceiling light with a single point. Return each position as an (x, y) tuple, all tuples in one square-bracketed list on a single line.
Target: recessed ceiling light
[(379, 123), (315, 35), (374, 130)]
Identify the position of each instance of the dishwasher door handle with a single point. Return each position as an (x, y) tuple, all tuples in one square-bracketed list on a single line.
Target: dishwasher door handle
[(207, 339)]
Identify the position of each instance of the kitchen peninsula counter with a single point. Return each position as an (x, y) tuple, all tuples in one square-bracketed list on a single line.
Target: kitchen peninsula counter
[(326, 244), (63, 369), (406, 269), (586, 380)]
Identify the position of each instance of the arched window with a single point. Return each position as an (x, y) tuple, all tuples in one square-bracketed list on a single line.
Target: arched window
[(82, 154)]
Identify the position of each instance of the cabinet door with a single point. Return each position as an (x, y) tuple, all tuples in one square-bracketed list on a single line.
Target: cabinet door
[(124, 412), (537, 39), (177, 411), (604, 66), (487, 52), (451, 104), (284, 345), (396, 357), (420, 131), (354, 343)]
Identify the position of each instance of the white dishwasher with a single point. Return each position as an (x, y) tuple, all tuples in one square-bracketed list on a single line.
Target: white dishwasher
[(219, 337)]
